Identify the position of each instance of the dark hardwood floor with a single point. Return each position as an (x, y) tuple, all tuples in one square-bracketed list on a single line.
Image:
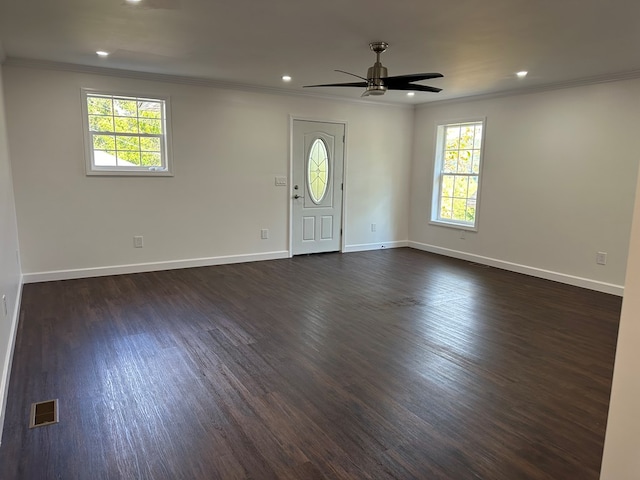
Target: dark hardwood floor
[(393, 364)]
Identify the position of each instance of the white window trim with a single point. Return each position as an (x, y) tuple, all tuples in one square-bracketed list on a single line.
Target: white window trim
[(91, 169), (437, 170)]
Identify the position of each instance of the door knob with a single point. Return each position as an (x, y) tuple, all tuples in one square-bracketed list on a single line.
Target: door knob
[(296, 196)]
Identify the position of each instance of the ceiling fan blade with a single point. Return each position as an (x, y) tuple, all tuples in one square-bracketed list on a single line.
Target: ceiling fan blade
[(414, 88), (352, 74), (352, 84), (413, 77)]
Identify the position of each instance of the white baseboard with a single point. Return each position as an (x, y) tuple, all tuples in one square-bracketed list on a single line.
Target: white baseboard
[(363, 247), (532, 271), (149, 267), (8, 360)]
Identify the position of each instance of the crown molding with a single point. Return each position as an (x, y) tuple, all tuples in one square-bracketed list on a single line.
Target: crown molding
[(205, 82), (185, 80), (581, 82)]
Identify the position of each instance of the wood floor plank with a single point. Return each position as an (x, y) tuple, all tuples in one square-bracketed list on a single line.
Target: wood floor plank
[(394, 364)]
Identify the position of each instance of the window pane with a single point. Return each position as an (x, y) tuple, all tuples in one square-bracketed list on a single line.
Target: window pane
[(130, 159), (466, 136), (471, 213), (447, 185), (461, 187), (99, 106), (148, 109), (100, 123), (151, 144), (459, 209), (476, 161), (452, 138), (150, 126), (446, 209), (477, 140), (103, 158), (450, 162), (150, 159), (128, 143), (126, 125), (473, 187), (104, 142), (125, 108), (464, 161)]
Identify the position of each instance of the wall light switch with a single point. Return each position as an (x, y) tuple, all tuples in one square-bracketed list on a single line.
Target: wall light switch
[(281, 181)]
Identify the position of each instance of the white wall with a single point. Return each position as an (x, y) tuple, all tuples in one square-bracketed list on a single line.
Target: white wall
[(558, 186), (228, 145), (620, 460), (10, 277)]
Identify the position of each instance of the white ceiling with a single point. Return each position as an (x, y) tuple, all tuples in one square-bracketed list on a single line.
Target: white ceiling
[(477, 44)]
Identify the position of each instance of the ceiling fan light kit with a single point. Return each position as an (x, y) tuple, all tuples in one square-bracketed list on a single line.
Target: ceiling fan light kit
[(378, 80)]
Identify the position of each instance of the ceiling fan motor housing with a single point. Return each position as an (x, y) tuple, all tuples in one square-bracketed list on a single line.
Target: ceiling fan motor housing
[(375, 85)]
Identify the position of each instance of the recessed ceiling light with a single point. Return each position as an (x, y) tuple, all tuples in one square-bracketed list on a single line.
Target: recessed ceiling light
[(286, 78), (410, 94), (133, 1), (522, 74), (102, 53)]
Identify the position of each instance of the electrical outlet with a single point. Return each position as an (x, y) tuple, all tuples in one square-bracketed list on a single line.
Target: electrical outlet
[(4, 305), (138, 241), (264, 233), (373, 227), (601, 258), (462, 235)]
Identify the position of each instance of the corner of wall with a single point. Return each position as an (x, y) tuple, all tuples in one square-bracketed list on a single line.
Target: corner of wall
[(8, 360)]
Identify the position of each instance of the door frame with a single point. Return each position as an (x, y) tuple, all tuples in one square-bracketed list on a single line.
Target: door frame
[(343, 214)]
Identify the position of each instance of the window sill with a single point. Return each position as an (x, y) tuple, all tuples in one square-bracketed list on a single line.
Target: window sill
[(454, 225), (134, 173)]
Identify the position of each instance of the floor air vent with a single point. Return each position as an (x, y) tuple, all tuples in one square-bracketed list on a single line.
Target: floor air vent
[(43, 413)]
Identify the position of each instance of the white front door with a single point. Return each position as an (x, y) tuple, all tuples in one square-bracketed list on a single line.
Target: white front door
[(318, 159)]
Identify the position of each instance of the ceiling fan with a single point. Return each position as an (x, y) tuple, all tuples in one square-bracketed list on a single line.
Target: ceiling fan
[(378, 81)]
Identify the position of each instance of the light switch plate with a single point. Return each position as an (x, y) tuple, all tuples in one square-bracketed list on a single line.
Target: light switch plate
[(281, 181)]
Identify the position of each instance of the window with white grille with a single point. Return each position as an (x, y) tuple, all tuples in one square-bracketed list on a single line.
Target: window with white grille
[(457, 171), (126, 134)]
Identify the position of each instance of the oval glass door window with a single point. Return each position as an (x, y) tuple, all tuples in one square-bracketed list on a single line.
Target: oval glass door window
[(318, 171)]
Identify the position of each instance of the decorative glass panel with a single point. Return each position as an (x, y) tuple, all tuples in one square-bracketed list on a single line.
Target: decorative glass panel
[(318, 171)]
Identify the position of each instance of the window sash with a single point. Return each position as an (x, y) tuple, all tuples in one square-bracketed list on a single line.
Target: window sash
[(139, 150), (441, 196)]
